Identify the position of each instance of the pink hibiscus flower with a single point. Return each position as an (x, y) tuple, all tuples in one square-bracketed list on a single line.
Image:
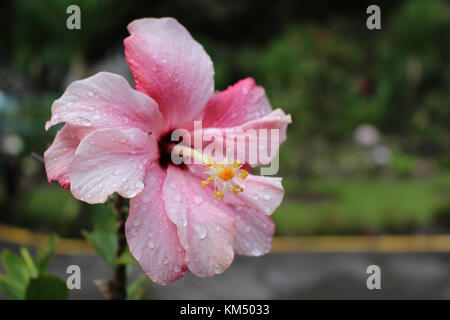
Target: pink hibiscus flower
[(175, 222)]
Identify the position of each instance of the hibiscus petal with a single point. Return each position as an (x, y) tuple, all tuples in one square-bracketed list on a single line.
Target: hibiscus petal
[(238, 104), (259, 148), (206, 232), (106, 100), (111, 160), (261, 193), (58, 157), (254, 230), (171, 67), (151, 236)]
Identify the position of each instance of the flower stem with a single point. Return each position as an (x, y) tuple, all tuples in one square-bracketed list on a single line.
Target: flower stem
[(119, 291)]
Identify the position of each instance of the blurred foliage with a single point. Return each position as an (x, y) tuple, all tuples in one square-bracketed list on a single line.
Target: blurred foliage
[(364, 206)]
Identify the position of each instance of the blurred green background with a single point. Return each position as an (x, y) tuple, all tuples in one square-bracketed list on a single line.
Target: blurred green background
[(368, 151)]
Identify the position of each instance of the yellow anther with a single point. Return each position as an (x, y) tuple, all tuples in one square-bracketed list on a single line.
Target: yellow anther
[(243, 174), (219, 195)]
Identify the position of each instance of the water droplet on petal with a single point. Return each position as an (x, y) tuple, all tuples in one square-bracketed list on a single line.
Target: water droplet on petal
[(177, 198), (256, 252), (266, 209), (198, 199), (136, 222), (218, 269), (165, 260), (172, 210), (139, 185), (201, 231), (151, 244), (177, 269), (267, 196)]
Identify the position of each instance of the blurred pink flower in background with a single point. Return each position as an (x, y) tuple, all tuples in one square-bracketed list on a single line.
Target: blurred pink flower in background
[(105, 146), (366, 135)]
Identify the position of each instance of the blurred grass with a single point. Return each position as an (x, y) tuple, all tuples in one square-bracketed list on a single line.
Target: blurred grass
[(361, 205)]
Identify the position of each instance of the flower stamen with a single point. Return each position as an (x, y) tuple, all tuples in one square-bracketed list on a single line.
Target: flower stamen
[(221, 173)]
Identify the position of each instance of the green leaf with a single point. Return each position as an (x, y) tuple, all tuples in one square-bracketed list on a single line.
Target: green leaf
[(29, 262), (104, 243), (43, 255), (47, 287), (15, 267), (11, 289), (136, 289)]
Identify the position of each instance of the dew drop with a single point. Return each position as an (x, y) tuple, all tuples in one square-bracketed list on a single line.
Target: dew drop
[(165, 260), (201, 231), (218, 269), (198, 199), (177, 269), (266, 209), (172, 210), (151, 244), (177, 198), (267, 196), (136, 222), (139, 185), (256, 252)]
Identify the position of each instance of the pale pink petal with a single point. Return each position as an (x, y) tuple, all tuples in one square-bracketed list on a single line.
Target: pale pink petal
[(111, 160), (151, 236), (106, 100), (261, 193), (254, 230), (171, 67), (58, 157), (206, 232), (251, 141), (240, 103)]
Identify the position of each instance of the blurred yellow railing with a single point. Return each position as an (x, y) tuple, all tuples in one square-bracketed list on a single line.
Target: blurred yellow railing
[(302, 244)]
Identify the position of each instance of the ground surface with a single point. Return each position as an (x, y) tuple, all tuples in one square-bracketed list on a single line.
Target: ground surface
[(292, 276)]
